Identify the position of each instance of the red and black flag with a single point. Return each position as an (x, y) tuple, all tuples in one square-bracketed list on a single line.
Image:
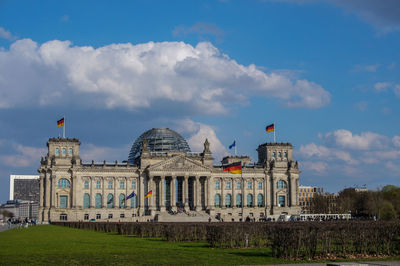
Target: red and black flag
[(270, 128), (233, 168), (60, 123)]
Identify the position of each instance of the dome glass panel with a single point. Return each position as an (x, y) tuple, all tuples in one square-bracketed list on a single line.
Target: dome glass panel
[(159, 140)]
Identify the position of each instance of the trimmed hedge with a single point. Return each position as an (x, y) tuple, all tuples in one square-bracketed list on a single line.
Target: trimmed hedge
[(289, 240)]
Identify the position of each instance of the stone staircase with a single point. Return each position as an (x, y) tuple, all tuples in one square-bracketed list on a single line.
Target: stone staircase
[(192, 216)]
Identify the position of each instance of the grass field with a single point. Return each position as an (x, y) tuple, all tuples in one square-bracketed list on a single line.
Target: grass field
[(43, 245), (51, 245)]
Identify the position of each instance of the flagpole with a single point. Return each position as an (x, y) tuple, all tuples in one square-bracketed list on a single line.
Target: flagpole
[(64, 128), (235, 147), (274, 133)]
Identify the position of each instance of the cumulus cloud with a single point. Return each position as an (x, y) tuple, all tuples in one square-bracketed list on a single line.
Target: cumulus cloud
[(136, 77), (381, 86), (199, 133), (24, 156), (5, 34), (348, 152), (346, 139)]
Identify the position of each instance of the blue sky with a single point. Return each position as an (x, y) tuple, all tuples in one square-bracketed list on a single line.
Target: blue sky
[(326, 72)]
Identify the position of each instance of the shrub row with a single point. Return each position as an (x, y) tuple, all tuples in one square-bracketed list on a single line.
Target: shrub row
[(288, 240)]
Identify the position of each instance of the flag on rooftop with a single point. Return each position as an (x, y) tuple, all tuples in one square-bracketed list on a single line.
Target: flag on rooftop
[(232, 145), (60, 123), (270, 128), (233, 168)]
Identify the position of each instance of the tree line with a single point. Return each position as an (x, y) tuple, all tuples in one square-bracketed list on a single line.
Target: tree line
[(383, 204)]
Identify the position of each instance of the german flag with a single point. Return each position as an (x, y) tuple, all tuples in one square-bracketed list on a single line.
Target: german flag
[(149, 194), (270, 128), (60, 123), (233, 168)]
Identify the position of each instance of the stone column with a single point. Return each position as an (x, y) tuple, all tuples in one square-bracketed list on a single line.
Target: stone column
[(254, 192), (103, 195), (41, 189), (222, 193), (140, 196), (265, 192), (210, 188), (162, 193), (185, 188), (233, 193), (92, 196), (116, 199), (53, 191), (173, 192), (126, 192)]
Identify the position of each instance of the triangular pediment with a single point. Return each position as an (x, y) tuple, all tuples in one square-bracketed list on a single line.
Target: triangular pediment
[(178, 163)]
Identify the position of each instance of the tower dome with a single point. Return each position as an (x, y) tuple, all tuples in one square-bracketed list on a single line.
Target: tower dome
[(159, 140)]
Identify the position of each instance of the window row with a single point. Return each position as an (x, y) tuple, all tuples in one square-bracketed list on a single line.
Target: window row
[(274, 154), (228, 200), (110, 184), (110, 216), (122, 202), (64, 151), (238, 185)]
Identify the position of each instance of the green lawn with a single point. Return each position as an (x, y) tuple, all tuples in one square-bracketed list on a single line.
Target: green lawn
[(43, 245)]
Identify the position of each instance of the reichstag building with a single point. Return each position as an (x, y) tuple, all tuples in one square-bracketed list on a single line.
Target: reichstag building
[(162, 180)]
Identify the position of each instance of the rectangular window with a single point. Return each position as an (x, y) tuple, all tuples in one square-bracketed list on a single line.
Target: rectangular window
[(70, 151), (133, 214), (281, 201), (110, 184), (86, 217), (63, 202), (217, 185), (63, 217), (238, 185), (86, 184), (259, 185), (122, 215), (122, 184), (98, 216), (249, 185), (134, 184), (228, 185), (110, 216), (98, 184)]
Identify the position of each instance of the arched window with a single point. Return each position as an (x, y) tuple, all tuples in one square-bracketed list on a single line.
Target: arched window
[(57, 151), (133, 202), (273, 155), (86, 201), (279, 154), (281, 184), (228, 200), (260, 200), (249, 200), (71, 151), (217, 200), (239, 200), (64, 183), (98, 201), (121, 200), (64, 151), (86, 184), (285, 154), (110, 201)]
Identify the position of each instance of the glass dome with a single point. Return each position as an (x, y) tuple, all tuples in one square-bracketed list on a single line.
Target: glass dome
[(159, 140)]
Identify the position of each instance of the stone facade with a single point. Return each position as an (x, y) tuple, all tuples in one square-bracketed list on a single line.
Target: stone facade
[(179, 181)]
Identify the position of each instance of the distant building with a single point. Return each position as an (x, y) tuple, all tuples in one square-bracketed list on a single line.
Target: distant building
[(24, 187), (306, 194), (22, 209)]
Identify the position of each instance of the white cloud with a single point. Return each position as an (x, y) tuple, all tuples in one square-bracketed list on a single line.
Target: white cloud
[(96, 153), (366, 68), (382, 86), (25, 156), (5, 34), (345, 139), (396, 141), (396, 90), (318, 168), (151, 75), (199, 133)]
